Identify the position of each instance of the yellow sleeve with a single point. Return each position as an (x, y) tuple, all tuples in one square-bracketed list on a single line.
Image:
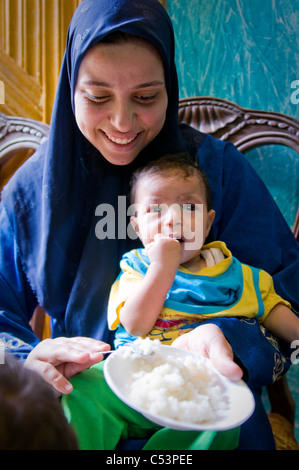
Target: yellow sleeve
[(269, 296), (125, 284)]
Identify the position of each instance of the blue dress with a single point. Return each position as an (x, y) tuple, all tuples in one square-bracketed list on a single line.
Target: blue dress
[(49, 252)]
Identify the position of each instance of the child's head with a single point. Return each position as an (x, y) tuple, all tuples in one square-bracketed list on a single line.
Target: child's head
[(172, 197), (31, 417)]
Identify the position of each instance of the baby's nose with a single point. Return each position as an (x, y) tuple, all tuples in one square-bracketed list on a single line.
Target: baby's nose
[(173, 215)]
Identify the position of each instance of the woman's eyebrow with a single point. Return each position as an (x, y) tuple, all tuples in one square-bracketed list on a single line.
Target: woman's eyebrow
[(92, 82), (149, 84)]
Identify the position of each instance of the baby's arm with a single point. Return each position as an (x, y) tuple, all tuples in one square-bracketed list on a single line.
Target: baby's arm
[(142, 308), (283, 323)]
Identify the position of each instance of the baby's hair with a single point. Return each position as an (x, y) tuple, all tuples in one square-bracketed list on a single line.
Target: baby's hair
[(180, 163), (31, 416)]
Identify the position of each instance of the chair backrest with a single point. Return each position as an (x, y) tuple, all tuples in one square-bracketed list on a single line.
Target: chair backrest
[(245, 128), (17, 133), (19, 137)]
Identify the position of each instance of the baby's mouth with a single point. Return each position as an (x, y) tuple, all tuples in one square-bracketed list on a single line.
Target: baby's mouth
[(179, 238)]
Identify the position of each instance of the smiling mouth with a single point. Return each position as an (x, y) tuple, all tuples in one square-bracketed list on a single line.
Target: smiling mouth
[(121, 140)]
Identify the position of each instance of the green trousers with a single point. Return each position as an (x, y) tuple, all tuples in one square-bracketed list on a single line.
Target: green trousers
[(100, 420)]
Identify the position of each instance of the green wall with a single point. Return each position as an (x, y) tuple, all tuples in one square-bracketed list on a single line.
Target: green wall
[(246, 51)]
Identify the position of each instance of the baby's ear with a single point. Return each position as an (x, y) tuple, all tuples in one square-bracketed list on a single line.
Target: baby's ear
[(211, 217), (133, 220)]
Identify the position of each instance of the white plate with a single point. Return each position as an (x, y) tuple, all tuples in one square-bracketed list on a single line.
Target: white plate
[(240, 399)]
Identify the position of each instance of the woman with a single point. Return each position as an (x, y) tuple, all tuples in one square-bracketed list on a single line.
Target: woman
[(116, 108)]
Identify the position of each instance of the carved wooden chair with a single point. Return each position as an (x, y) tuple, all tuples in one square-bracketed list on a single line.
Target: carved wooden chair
[(19, 138), (245, 128), (248, 129)]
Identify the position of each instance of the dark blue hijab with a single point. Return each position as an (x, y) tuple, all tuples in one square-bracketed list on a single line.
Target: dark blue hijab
[(57, 191)]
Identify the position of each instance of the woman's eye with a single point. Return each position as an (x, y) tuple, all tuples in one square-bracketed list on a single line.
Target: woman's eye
[(97, 99), (145, 99)]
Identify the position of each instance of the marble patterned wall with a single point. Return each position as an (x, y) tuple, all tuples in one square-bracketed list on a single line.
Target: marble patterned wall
[(247, 52)]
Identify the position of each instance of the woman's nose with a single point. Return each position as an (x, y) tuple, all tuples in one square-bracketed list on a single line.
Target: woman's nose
[(122, 117)]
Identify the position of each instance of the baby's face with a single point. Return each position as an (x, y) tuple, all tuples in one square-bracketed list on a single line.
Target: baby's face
[(175, 207)]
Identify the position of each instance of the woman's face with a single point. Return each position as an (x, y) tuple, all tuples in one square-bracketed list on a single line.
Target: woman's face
[(121, 98)]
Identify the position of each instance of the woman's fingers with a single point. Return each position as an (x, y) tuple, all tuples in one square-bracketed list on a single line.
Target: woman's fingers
[(52, 375), (222, 357), (209, 341), (59, 359)]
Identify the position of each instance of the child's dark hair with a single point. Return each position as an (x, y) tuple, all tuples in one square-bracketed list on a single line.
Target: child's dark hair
[(181, 163), (31, 416)]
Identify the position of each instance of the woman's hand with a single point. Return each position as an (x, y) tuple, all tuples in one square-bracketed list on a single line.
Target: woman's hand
[(59, 359), (209, 341)]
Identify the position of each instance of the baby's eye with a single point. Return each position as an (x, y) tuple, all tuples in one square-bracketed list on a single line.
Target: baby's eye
[(155, 208), (189, 207)]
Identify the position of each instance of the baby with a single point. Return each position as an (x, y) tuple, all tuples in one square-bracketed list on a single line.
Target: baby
[(165, 290), (175, 282)]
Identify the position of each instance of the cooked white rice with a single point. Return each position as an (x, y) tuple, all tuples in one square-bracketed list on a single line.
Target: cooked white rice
[(179, 388)]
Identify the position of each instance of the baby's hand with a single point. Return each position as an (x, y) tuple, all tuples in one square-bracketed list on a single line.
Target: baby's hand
[(164, 250)]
